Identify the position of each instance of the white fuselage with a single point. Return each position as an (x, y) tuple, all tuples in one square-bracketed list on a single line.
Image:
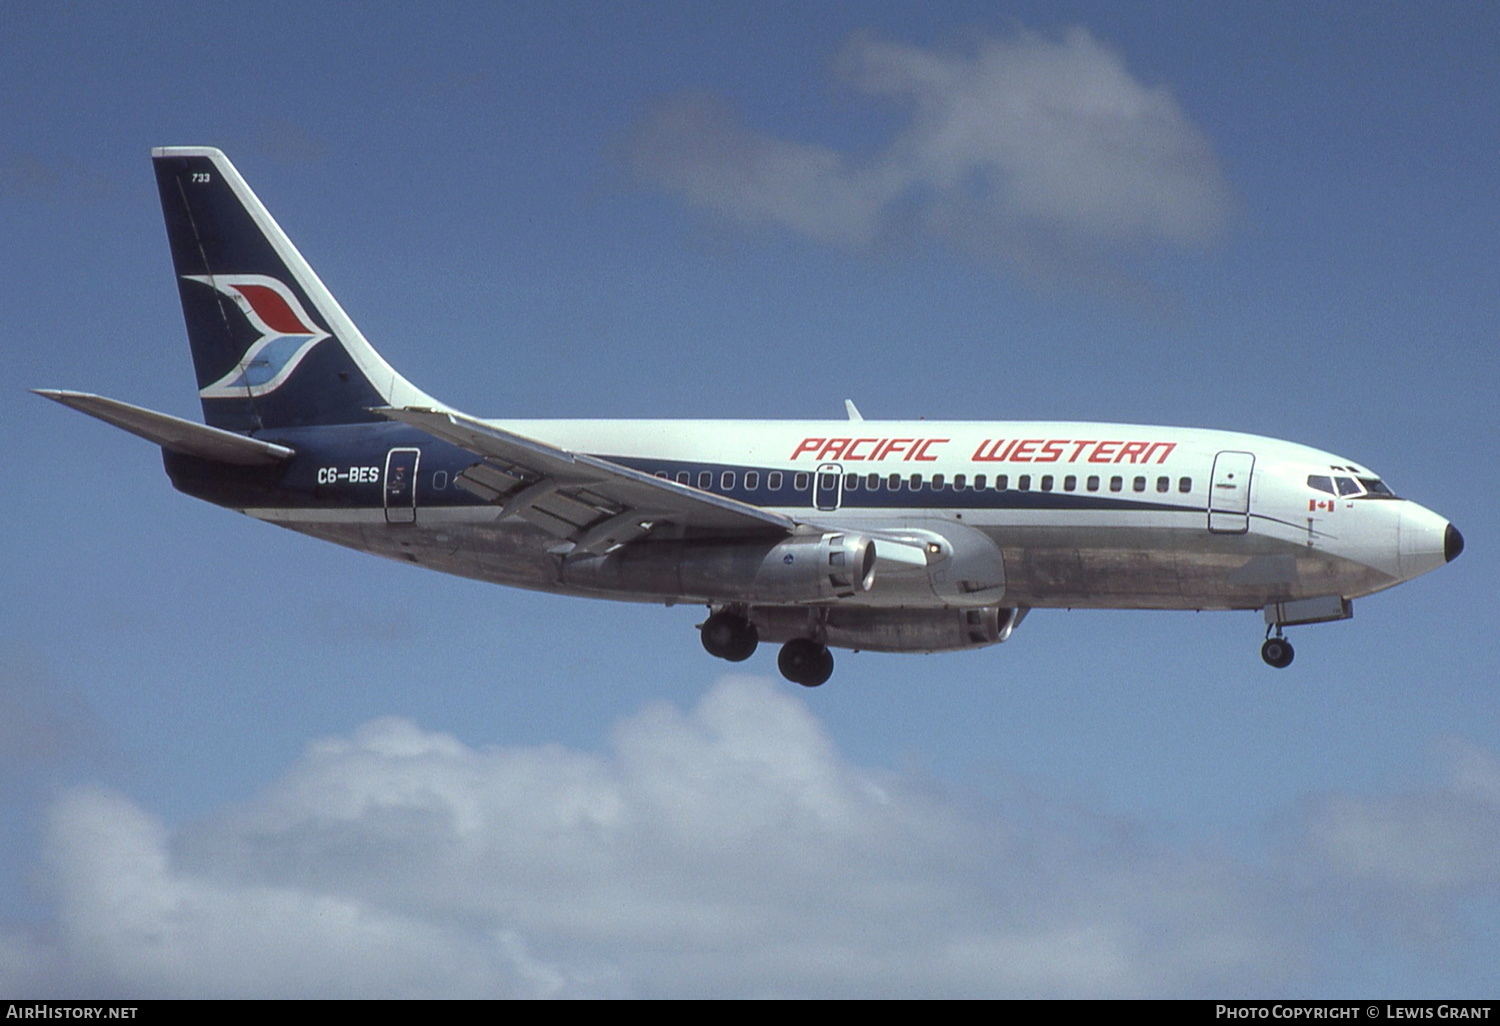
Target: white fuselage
[(1084, 515)]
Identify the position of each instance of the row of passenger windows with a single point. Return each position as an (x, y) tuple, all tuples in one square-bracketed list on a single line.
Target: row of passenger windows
[(801, 481)]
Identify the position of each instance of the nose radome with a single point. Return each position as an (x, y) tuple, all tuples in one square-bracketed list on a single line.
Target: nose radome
[(1427, 541), (1453, 543)]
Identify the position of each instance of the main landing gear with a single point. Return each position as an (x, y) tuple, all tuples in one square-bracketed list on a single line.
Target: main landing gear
[(1277, 651), (730, 635), (804, 661)]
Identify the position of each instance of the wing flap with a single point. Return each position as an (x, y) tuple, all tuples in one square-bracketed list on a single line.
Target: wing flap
[(593, 503), (487, 482)]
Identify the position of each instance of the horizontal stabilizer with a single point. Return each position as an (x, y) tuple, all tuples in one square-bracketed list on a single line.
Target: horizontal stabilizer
[(174, 433)]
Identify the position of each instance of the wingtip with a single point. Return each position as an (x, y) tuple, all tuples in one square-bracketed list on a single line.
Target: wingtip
[(61, 395)]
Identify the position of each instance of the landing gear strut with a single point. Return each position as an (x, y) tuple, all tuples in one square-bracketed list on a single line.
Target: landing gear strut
[(804, 661), (1277, 651), (729, 636)]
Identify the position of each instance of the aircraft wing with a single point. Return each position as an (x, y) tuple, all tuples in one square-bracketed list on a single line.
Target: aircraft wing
[(590, 504)]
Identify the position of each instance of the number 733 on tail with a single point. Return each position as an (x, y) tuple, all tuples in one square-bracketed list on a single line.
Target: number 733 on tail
[(892, 536)]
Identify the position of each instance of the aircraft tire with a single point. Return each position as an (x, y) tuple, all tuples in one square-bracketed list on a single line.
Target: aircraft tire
[(804, 661), (731, 637), (1277, 652)]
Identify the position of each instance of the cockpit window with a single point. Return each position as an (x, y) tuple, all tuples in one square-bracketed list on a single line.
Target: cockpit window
[(1350, 487)]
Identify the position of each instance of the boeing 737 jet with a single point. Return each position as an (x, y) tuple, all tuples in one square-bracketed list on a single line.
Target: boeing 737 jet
[(894, 536)]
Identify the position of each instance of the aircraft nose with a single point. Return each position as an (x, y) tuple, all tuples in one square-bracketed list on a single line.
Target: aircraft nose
[(1453, 543), (1427, 541)]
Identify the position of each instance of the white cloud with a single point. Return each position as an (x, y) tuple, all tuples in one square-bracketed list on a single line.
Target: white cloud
[(135, 921), (726, 850), (1422, 842), (1028, 148)]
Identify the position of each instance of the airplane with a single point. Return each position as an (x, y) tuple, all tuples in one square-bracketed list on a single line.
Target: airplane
[(891, 536)]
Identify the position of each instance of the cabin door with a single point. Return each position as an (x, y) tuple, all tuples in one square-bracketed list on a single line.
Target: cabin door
[(1229, 493), (828, 486), (401, 486)]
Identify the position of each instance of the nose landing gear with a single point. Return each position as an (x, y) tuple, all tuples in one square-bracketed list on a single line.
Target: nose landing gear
[(1277, 651)]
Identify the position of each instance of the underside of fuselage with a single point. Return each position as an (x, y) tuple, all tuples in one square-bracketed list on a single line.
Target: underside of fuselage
[(1099, 567)]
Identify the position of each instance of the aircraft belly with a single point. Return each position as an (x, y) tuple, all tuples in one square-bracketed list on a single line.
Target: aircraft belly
[(1073, 566), (513, 554), (1165, 568)]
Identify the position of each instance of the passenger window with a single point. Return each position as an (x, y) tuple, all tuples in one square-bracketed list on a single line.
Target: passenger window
[(752, 479), (1184, 485), (872, 482), (937, 482), (979, 482), (893, 482), (1070, 483), (1093, 482), (726, 481), (915, 483), (1116, 483), (958, 482), (851, 482), (683, 477), (1163, 484), (801, 481), (1002, 482), (1139, 484), (663, 475), (705, 479), (1023, 483), (773, 480), (1046, 482)]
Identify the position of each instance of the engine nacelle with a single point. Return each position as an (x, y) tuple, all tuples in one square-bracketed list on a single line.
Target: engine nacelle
[(891, 629), (796, 570), (826, 566)]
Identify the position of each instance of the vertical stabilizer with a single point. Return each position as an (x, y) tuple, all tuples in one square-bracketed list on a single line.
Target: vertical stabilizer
[(271, 346)]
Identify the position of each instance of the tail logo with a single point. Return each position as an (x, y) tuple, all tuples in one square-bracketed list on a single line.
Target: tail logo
[(287, 334)]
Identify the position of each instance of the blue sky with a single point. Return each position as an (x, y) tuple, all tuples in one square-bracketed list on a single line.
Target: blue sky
[(237, 761)]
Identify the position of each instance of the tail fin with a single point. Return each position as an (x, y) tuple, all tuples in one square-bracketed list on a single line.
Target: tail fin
[(271, 346)]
